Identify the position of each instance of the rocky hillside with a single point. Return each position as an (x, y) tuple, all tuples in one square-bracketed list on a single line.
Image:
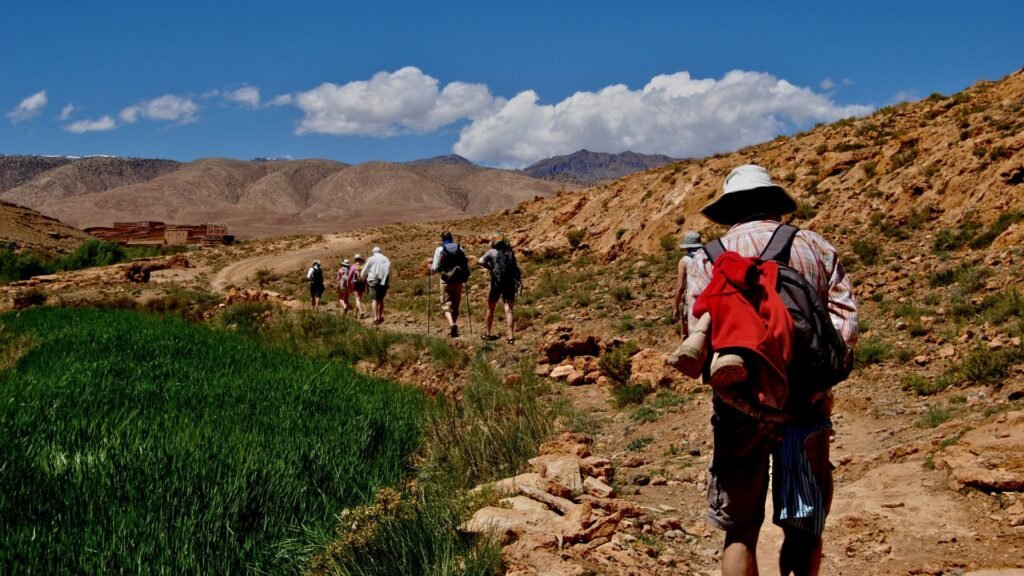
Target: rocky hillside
[(586, 167), (27, 228), (943, 161), (267, 197)]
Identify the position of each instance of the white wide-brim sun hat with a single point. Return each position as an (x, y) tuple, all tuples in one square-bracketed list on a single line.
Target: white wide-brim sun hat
[(691, 240), (748, 190)]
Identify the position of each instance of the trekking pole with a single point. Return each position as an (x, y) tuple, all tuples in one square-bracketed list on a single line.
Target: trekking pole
[(429, 282), (469, 308)]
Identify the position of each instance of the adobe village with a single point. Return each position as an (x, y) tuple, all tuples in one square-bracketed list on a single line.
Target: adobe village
[(158, 375)]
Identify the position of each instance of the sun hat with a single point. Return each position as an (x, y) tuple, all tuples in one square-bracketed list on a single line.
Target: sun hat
[(376, 249), (358, 258), (748, 190), (691, 240), (345, 262), (316, 262)]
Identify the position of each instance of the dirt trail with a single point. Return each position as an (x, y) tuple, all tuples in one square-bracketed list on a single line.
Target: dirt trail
[(238, 273)]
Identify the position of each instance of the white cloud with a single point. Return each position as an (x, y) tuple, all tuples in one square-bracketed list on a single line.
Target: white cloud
[(280, 100), (67, 111), (29, 108), (102, 124), (246, 95), (673, 114), (827, 84), (905, 96), (390, 103), (847, 82), (169, 108)]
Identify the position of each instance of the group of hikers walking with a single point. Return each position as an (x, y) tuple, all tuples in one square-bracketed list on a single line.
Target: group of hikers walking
[(768, 320), (452, 266)]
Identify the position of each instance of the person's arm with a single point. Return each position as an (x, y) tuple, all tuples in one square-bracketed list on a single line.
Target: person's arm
[(487, 260), (435, 266), (680, 288), (309, 274)]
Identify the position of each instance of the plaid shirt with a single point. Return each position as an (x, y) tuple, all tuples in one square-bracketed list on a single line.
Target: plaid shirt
[(811, 256)]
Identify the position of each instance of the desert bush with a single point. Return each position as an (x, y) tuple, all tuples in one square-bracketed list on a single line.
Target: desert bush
[(575, 236), (805, 210), (867, 250), (902, 158), (934, 416), (873, 350), (622, 293), (870, 168), (668, 243), (924, 386), (1000, 225), (617, 364), (984, 365)]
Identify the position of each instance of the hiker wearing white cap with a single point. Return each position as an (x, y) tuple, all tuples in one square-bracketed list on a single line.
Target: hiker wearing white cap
[(377, 274), (315, 277), (691, 243), (747, 429), (342, 285)]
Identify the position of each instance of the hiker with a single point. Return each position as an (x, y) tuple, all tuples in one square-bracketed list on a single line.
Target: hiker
[(377, 274), (506, 280), (343, 286), (789, 422), (355, 280), (315, 277), (451, 262), (691, 243)]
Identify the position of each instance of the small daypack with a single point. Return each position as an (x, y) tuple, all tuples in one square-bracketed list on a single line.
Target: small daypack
[(820, 359), (454, 266), (317, 279), (506, 269), (344, 281)]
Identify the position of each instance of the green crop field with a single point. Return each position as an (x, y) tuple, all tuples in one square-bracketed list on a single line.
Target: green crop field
[(136, 444)]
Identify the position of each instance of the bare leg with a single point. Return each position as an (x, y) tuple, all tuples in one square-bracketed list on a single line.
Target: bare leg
[(490, 315), (800, 554), (380, 311), (510, 319), (739, 557), (359, 305)]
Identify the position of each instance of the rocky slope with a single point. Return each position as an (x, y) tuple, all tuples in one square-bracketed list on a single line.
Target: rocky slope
[(586, 167), (29, 229), (942, 160)]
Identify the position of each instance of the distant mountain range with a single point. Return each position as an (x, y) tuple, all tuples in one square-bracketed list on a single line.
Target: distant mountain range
[(263, 197), (585, 167)]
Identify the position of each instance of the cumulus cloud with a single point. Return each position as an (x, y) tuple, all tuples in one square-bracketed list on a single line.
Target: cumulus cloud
[(905, 96), (673, 114), (246, 95), (827, 84), (67, 111), (391, 103), (168, 108), (102, 124), (280, 100), (29, 108)]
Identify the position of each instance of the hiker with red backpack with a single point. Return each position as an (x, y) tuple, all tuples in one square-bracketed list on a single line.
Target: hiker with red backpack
[(452, 266), (506, 282), (772, 326)]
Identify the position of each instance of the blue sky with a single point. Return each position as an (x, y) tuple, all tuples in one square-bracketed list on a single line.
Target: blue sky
[(501, 83)]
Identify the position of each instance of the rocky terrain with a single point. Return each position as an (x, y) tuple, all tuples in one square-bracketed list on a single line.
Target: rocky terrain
[(586, 167), (29, 229), (923, 200), (261, 198)]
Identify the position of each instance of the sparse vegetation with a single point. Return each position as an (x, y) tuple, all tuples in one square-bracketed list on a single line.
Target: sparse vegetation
[(575, 237), (871, 350), (867, 250)]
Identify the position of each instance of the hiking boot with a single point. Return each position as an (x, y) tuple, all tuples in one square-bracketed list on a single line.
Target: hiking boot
[(727, 369), (454, 331), (689, 357)]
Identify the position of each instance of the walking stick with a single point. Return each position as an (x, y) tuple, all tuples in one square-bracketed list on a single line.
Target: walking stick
[(469, 308), (429, 282)]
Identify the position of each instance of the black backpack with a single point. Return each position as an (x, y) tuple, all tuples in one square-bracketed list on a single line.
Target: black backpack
[(318, 276), (820, 359), (454, 267), (506, 269)]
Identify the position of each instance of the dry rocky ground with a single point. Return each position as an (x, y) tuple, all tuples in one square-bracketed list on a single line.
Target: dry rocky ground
[(929, 428)]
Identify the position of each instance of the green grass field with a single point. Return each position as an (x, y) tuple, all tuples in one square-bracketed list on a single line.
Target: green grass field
[(140, 444)]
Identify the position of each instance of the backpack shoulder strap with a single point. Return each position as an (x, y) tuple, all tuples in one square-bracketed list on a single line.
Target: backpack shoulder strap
[(779, 246), (714, 249)]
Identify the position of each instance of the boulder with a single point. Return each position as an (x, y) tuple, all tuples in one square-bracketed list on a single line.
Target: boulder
[(648, 365), (510, 486), (492, 519), (522, 503), (990, 457), (562, 469), (595, 487), (560, 343), (562, 372)]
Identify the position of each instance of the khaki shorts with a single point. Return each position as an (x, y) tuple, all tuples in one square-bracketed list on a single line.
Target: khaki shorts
[(451, 298), (738, 477)]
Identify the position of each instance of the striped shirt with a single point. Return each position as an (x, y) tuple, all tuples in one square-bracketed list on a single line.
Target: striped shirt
[(811, 255)]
